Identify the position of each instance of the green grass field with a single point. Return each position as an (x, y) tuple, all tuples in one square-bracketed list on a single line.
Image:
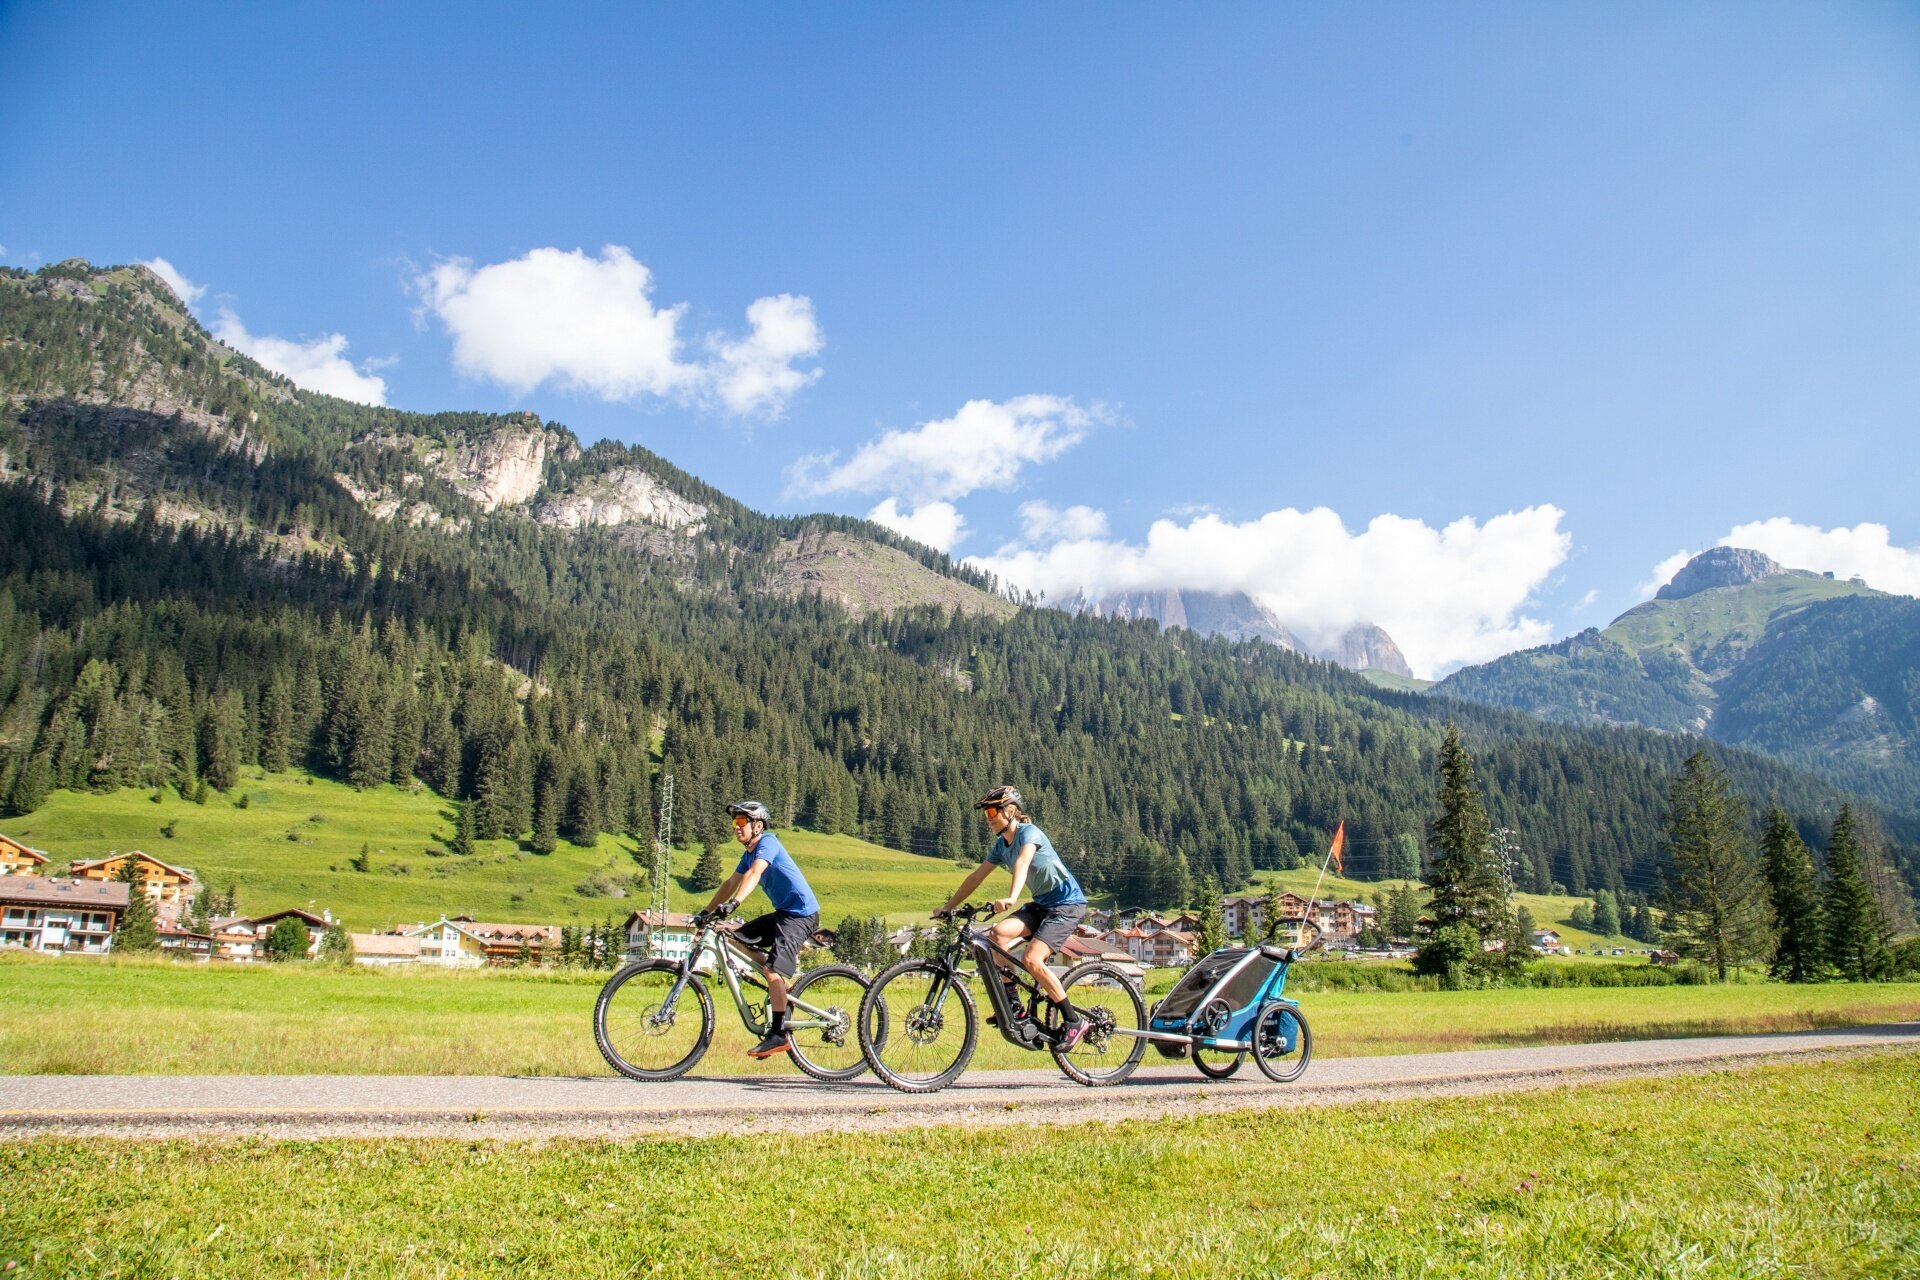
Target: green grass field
[(291, 847), (293, 843), (94, 1016), (1803, 1169)]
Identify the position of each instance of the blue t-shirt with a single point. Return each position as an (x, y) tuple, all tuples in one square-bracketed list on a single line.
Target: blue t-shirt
[(786, 888), (1051, 884)]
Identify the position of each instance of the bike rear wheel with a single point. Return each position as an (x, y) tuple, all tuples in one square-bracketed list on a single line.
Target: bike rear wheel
[(638, 1035), (917, 1028), (1110, 1004), (822, 1008), (1282, 1043)]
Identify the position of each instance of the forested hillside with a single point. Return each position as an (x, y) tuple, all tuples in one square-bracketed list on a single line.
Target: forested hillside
[(189, 585)]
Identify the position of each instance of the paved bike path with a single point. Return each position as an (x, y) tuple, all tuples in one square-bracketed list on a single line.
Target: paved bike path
[(521, 1106)]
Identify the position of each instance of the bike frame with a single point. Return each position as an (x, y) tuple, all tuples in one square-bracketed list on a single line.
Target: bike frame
[(983, 948), (735, 960)]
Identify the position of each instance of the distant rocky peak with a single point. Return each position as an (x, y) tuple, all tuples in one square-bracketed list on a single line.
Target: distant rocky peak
[(1720, 567), (1367, 647)]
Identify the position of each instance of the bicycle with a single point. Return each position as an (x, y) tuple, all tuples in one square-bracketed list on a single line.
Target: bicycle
[(919, 1025), (654, 1018)]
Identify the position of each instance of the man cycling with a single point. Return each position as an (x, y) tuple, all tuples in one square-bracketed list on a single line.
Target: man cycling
[(780, 933), (1058, 901)]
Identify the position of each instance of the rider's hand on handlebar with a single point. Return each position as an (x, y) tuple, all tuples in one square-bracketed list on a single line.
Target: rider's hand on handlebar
[(725, 909), (944, 913), (1000, 906)]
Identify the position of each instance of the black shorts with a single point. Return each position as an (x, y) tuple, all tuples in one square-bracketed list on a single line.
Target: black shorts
[(780, 934), (1051, 925)]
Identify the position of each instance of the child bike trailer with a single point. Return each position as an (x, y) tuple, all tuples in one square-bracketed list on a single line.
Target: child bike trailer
[(1230, 1005)]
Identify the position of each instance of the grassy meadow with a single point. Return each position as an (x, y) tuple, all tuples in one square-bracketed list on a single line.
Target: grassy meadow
[(1802, 1169), (125, 1016), (293, 843)]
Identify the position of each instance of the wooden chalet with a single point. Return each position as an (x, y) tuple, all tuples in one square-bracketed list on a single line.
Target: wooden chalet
[(169, 887), (17, 859)]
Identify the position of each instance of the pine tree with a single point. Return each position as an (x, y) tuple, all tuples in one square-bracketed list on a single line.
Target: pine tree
[(463, 829), (1468, 886), (363, 860), (139, 930), (546, 833), (1799, 954), (709, 872), (1716, 911), (1212, 934), (1856, 930), (34, 785)]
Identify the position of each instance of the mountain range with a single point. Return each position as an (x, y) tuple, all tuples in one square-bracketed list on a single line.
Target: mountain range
[(204, 568), (1238, 616), (1818, 672)]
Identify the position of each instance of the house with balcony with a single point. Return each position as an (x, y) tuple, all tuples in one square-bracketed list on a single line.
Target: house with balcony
[(17, 859), (64, 916), (667, 937), (450, 943), (316, 926), (182, 943), (168, 887)]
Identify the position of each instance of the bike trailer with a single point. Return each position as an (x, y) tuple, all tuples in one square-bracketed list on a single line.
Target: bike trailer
[(1217, 999)]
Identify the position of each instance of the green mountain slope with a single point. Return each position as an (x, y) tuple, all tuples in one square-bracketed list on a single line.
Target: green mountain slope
[(211, 573), (1808, 669)]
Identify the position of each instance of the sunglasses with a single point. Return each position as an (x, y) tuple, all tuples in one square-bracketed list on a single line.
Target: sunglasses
[(741, 820)]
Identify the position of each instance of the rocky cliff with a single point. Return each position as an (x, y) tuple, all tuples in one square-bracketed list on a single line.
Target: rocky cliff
[(1368, 648), (625, 495), (1720, 567)]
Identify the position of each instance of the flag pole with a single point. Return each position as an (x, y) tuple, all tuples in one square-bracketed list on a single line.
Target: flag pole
[(1333, 851)]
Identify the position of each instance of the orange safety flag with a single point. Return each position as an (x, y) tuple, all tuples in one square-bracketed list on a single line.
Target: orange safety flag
[(1339, 844)]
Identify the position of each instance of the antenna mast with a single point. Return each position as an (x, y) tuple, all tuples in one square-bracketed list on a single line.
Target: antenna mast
[(661, 842)]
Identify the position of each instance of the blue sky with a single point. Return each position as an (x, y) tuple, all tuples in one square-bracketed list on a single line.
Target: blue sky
[(1605, 282)]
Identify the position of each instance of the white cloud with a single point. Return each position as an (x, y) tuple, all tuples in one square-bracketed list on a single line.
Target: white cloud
[(1043, 522), (184, 289), (1587, 601), (1865, 551), (938, 524), (1664, 571), (756, 373), (590, 324), (983, 446), (318, 365), (1448, 596)]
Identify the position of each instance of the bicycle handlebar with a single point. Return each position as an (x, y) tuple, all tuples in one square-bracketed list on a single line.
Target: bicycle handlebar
[(970, 911)]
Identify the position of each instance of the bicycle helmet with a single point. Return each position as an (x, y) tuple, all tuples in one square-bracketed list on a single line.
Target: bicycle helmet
[(750, 809), (1001, 796)]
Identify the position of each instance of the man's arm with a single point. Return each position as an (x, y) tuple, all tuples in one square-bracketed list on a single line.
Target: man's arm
[(1020, 865), (726, 890), (968, 885)]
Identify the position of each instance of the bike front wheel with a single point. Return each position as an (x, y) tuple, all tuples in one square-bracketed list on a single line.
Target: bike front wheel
[(918, 1026), (1110, 1004), (643, 1037), (1220, 1067), (1282, 1043), (822, 1008)]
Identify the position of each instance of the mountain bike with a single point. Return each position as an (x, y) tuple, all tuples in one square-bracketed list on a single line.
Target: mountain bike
[(919, 1024), (654, 1018)]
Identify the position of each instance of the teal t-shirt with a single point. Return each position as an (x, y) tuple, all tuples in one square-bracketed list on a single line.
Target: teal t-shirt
[(1051, 884)]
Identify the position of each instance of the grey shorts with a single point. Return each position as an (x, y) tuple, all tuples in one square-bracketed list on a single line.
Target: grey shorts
[(1051, 925), (780, 934)]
